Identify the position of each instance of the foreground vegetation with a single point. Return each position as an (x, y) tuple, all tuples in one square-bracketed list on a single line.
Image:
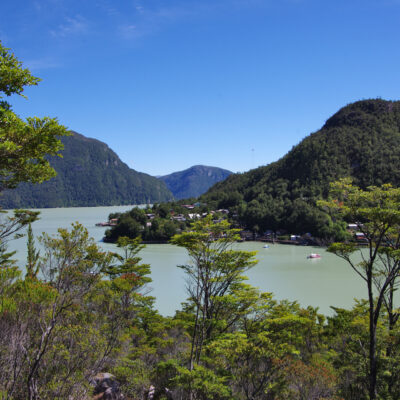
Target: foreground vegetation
[(79, 311)]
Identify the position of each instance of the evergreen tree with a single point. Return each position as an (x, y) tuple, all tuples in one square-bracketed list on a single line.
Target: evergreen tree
[(32, 261)]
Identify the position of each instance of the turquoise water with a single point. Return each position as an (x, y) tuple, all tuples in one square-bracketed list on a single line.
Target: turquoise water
[(282, 269)]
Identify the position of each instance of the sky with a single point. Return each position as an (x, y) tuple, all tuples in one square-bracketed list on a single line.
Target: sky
[(168, 84)]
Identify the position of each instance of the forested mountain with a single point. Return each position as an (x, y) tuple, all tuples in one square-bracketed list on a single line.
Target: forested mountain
[(362, 141), (194, 181), (89, 174)]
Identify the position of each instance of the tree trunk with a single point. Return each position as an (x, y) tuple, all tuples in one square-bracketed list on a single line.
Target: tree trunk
[(372, 341), (32, 389)]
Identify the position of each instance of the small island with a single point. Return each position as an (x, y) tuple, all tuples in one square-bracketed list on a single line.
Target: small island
[(159, 223)]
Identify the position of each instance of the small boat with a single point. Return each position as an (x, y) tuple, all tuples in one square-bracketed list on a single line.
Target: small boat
[(111, 222), (266, 246), (314, 255)]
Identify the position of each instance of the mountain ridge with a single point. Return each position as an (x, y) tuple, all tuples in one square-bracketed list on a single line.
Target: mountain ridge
[(88, 174), (193, 181), (361, 140)]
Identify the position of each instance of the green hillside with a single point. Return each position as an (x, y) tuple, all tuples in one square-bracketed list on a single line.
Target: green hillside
[(89, 174), (362, 140), (194, 181)]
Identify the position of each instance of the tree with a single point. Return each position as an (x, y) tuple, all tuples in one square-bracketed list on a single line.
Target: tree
[(48, 338), (376, 211), (313, 381), (24, 145), (347, 333), (214, 271), (129, 262), (71, 267), (32, 260), (126, 226), (9, 226), (23, 148)]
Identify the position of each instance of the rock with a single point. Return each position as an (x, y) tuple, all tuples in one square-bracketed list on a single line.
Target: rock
[(106, 387), (151, 392)]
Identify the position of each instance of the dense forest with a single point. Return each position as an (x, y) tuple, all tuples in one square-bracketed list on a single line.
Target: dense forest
[(194, 181), (88, 174), (362, 141)]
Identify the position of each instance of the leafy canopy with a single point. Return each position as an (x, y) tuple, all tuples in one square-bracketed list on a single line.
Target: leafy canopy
[(13, 77), (24, 145), (376, 213)]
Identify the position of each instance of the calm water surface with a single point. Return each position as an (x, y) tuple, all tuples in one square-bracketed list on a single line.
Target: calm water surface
[(282, 269)]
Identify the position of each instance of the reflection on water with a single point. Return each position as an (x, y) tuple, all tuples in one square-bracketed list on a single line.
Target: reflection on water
[(282, 269)]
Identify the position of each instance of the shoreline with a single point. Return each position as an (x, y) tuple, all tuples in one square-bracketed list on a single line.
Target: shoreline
[(275, 241)]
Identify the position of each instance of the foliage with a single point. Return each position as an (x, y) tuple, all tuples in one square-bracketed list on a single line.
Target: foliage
[(376, 212), (88, 311), (13, 78), (9, 226), (203, 384), (24, 145), (215, 270), (32, 261), (81, 320), (313, 381)]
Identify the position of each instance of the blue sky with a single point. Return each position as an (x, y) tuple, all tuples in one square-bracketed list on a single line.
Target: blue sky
[(228, 83)]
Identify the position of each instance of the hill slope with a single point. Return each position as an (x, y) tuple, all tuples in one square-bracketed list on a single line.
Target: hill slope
[(194, 181), (362, 140), (89, 174)]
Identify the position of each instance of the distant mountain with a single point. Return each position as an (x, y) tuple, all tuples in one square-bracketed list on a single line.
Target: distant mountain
[(362, 141), (194, 181), (89, 174)]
